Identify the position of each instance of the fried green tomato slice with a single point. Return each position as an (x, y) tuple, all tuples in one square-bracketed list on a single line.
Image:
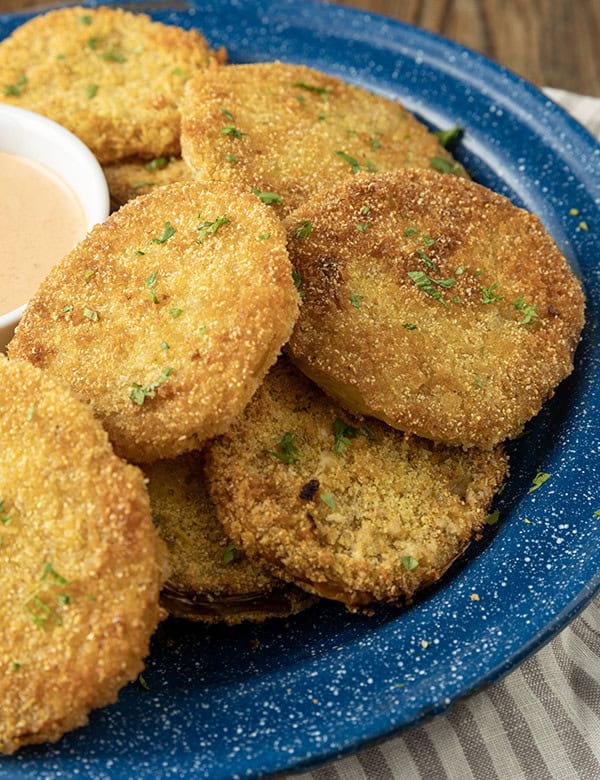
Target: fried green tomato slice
[(432, 303), (347, 509), (80, 558), (167, 316), (112, 77), (131, 178), (209, 579), (287, 131)]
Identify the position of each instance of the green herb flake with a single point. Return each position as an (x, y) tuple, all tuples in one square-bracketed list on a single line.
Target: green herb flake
[(92, 43), (16, 89), (142, 683), (139, 393), (375, 144), (231, 158), (91, 90), (448, 138), (355, 300), (267, 197), (411, 231), (157, 164), (343, 435), (179, 72), (210, 228), (409, 326), (327, 498), (297, 279), (493, 517), (429, 263), (286, 450), (408, 562), (426, 284), (150, 284), (312, 88), (232, 131), (164, 345), (227, 114), (168, 231), (88, 274), (363, 227), (175, 312), (352, 162), (90, 314), (229, 554), (30, 413), (442, 165), (597, 513), (66, 309), (85, 19), (113, 55), (304, 229), (428, 241), (15, 666), (528, 311), (49, 574), (538, 480), (488, 294), (5, 517), (264, 236)]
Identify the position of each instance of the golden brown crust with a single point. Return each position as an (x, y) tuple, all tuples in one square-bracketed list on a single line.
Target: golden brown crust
[(111, 77), (377, 521), (131, 178), (80, 562), (209, 580), (292, 130), (164, 325), (469, 366)]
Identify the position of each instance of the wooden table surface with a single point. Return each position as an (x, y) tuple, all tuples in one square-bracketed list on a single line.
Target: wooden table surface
[(550, 42)]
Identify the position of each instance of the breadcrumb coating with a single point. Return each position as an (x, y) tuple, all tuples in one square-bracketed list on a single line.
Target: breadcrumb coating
[(131, 178), (432, 303), (80, 558), (167, 316), (291, 131), (209, 580), (112, 77), (346, 508)]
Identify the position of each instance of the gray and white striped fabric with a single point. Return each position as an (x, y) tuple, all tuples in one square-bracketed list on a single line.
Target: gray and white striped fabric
[(542, 722)]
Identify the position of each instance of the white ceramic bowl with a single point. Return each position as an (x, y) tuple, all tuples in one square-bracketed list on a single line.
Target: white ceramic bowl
[(37, 138)]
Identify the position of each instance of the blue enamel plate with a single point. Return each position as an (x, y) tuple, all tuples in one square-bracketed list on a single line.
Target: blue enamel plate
[(241, 702)]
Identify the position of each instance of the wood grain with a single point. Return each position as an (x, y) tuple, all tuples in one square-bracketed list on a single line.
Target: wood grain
[(549, 42)]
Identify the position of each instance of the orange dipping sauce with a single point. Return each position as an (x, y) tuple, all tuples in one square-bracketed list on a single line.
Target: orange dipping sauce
[(41, 219)]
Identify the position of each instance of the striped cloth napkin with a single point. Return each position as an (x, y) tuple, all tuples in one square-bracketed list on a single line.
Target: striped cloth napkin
[(541, 722)]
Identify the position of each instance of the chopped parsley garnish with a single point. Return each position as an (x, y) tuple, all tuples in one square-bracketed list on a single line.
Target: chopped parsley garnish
[(409, 562), (286, 450), (91, 314), (92, 43), (375, 144), (231, 158), (168, 231), (30, 413), (88, 274), (409, 326), (91, 90), (16, 89), (327, 498), (157, 164), (179, 72), (428, 241), (5, 517), (362, 228), (207, 228), (427, 260), (139, 393), (297, 279), (343, 435), (352, 162), (50, 573), (443, 165), (85, 19), (113, 55), (232, 131), (312, 87), (264, 236), (150, 283), (142, 683), (227, 114), (450, 137), (229, 553), (304, 229), (426, 284), (69, 307), (355, 300), (411, 231), (267, 197), (528, 311), (493, 517), (488, 294), (538, 480), (175, 312)]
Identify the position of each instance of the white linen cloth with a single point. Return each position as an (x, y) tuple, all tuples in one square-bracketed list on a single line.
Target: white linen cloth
[(541, 722)]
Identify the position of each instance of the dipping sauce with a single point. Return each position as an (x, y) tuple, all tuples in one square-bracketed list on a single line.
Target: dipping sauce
[(41, 219)]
